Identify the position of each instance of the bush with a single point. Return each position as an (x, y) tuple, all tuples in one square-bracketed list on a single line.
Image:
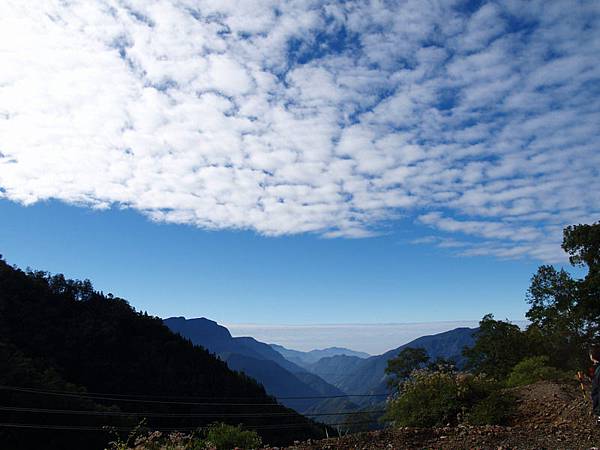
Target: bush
[(533, 369), (427, 399), (439, 398), (226, 437)]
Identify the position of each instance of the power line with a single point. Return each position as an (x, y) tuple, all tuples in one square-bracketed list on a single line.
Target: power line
[(153, 399), (176, 415), (117, 399)]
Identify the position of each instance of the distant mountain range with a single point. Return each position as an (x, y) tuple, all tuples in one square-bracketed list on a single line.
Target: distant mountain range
[(333, 372), (367, 376), (305, 359), (280, 377)]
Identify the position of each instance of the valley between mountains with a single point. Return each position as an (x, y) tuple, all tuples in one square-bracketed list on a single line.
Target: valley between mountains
[(326, 385)]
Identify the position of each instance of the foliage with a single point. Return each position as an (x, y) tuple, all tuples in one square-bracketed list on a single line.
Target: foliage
[(582, 243), (567, 310), (498, 347), (533, 369), (439, 398), (553, 296), (402, 365), (226, 437)]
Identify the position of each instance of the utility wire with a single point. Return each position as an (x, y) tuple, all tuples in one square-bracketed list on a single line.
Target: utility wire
[(180, 415), (154, 399), (117, 399)]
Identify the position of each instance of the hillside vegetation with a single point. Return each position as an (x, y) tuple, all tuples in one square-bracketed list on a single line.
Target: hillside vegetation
[(60, 339)]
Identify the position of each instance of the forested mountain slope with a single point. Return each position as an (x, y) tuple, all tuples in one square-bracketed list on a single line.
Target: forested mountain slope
[(61, 335)]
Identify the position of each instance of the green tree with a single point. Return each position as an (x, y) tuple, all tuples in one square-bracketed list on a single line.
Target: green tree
[(400, 367), (555, 311), (498, 347), (582, 243), (566, 310)]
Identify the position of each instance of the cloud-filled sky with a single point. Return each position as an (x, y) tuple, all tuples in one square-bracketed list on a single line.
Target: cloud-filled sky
[(477, 120)]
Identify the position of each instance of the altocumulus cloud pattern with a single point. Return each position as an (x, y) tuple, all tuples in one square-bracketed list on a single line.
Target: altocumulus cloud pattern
[(480, 121)]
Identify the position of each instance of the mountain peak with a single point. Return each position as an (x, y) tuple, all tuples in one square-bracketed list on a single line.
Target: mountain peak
[(201, 328)]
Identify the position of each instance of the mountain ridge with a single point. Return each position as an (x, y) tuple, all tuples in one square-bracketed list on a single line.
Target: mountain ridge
[(368, 376), (310, 357), (283, 378)]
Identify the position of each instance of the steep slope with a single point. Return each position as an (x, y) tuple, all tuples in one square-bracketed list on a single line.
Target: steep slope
[(217, 339), (334, 410), (97, 343), (278, 381), (266, 352), (280, 377), (307, 358), (335, 369)]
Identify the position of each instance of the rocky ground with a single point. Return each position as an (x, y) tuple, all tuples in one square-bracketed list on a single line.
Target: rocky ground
[(550, 416)]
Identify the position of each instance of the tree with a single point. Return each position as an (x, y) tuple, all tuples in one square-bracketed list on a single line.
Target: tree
[(498, 347), (402, 365), (565, 310), (582, 243), (555, 311)]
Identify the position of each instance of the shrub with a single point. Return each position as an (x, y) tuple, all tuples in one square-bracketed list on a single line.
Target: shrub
[(533, 369), (427, 399), (226, 437), (438, 398)]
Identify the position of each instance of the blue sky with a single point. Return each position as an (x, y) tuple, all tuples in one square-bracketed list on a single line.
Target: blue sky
[(299, 161), (241, 277)]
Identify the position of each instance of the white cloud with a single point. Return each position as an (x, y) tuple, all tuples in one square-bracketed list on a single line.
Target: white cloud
[(308, 116)]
